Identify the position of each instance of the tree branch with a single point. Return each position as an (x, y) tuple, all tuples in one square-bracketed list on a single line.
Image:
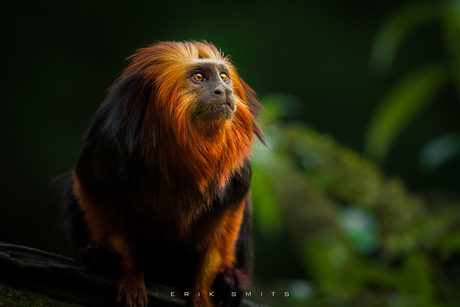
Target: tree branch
[(30, 277)]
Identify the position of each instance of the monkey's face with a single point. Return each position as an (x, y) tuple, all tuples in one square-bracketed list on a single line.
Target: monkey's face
[(210, 84)]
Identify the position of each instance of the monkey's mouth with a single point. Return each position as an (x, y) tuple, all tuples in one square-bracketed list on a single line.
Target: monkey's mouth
[(230, 104), (217, 110)]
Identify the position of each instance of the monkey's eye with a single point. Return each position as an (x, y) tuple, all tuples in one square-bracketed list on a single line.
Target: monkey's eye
[(224, 77), (198, 77)]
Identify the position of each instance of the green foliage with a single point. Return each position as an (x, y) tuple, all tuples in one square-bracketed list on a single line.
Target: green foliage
[(397, 27), (439, 150), (363, 239), (449, 244), (9, 298), (405, 101), (410, 96), (267, 214)]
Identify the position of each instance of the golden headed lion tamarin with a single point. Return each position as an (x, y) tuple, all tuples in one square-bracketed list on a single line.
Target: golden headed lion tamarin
[(163, 177)]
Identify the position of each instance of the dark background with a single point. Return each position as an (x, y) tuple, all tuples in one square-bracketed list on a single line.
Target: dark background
[(58, 58)]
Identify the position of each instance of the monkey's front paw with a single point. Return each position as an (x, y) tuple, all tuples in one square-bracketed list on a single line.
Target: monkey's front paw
[(132, 295), (229, 286)]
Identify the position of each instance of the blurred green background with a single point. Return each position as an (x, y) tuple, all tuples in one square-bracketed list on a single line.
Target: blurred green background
[(356, 201)]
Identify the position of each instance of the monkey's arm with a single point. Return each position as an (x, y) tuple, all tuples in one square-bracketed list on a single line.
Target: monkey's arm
[(130, 283), (219, 259), (225, 265), (231, 283)]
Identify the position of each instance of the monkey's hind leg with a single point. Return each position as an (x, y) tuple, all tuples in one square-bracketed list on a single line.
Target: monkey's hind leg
[(100, 257)]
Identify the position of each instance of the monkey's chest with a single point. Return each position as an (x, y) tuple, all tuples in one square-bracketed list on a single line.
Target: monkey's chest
[(174, 223)]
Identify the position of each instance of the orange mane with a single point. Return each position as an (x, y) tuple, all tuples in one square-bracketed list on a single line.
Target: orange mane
[(186, 153)]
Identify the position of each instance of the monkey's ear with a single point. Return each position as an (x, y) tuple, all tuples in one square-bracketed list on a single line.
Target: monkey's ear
[(124, 112), (254, 107)]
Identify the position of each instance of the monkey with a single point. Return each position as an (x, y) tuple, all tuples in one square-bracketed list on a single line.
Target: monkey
[(164, 174)]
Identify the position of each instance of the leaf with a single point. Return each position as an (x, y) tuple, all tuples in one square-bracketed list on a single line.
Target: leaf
[(267, 211), (324, 262), (337, 269), (279, 105), (360, 227), (449, 245), (416, 278), (439, 150), (404, 102), (396, 28), (451, 23)]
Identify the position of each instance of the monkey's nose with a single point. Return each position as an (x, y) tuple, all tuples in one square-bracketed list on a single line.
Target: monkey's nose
[(222, 90)]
